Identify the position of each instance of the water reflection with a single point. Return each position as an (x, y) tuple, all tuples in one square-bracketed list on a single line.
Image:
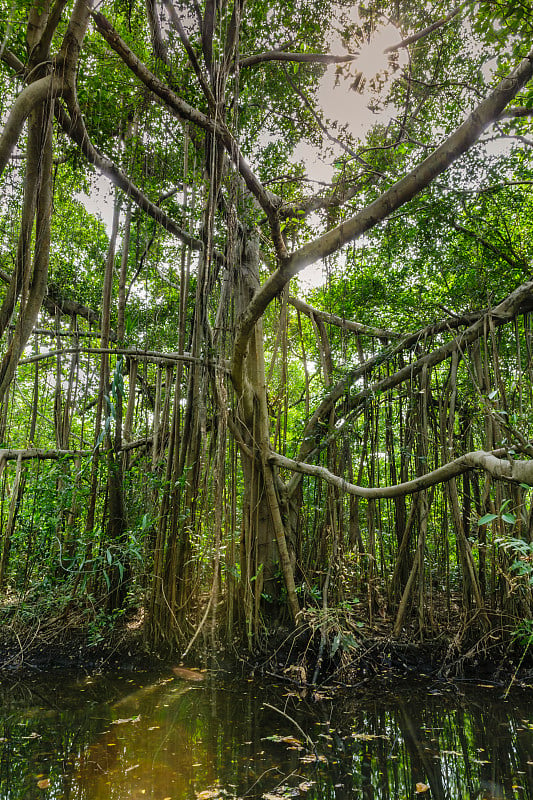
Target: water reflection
[(165, 738)]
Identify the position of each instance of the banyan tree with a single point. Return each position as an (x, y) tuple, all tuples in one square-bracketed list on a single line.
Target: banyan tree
[(185, 427)]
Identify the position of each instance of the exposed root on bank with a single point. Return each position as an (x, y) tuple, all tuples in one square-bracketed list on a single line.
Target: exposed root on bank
[(350, 657)]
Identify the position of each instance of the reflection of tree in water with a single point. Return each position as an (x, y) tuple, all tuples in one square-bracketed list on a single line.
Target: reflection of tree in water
[(503, 739), (43, 734), (478, 750), (171, 738), (424, 767)]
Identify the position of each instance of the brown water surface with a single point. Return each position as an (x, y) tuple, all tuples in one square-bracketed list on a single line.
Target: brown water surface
[(130, 737)]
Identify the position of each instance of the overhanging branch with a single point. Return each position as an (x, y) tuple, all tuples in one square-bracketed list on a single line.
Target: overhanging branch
[(184, 111), (501, 468)]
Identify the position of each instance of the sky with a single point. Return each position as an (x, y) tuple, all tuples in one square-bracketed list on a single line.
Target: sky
[(340, 102)]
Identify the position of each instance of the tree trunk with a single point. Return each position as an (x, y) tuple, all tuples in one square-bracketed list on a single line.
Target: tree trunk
[(264, 550)]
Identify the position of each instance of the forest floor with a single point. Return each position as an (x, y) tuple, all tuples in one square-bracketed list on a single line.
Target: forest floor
[(309, 659)]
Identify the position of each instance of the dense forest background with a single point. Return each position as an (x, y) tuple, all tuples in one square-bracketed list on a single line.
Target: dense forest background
[(193, 437)]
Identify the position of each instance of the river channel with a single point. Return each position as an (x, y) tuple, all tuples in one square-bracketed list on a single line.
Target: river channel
[(160, 737)]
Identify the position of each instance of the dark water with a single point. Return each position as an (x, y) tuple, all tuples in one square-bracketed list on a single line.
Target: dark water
[(161, 738)]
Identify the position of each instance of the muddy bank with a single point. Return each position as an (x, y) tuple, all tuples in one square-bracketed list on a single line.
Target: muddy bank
[(34, 652), (305, 659)]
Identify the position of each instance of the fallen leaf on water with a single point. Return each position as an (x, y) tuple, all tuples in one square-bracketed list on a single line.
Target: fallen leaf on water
[(207, 794), (311, 758), (43, 784), (285, 739), (188, 674), (421, 787), (290, 740), (123, 721), (304, 786)]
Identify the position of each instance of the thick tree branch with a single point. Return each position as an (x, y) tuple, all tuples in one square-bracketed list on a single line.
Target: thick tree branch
[(421, 176), (326, 58), (519, 301), (50, 28), (501, 468), (12, 61), (74, 127), (154, 23), (395, 197), (208, 28), (415, 37), (30, 97), (40, 454), (232, 35), (298, 58), (190, 52), (54, 301), (31, 281), (339, 194), (152, 356)]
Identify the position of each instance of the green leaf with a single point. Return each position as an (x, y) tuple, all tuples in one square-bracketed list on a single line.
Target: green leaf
[(487, 518), (510, 518)]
